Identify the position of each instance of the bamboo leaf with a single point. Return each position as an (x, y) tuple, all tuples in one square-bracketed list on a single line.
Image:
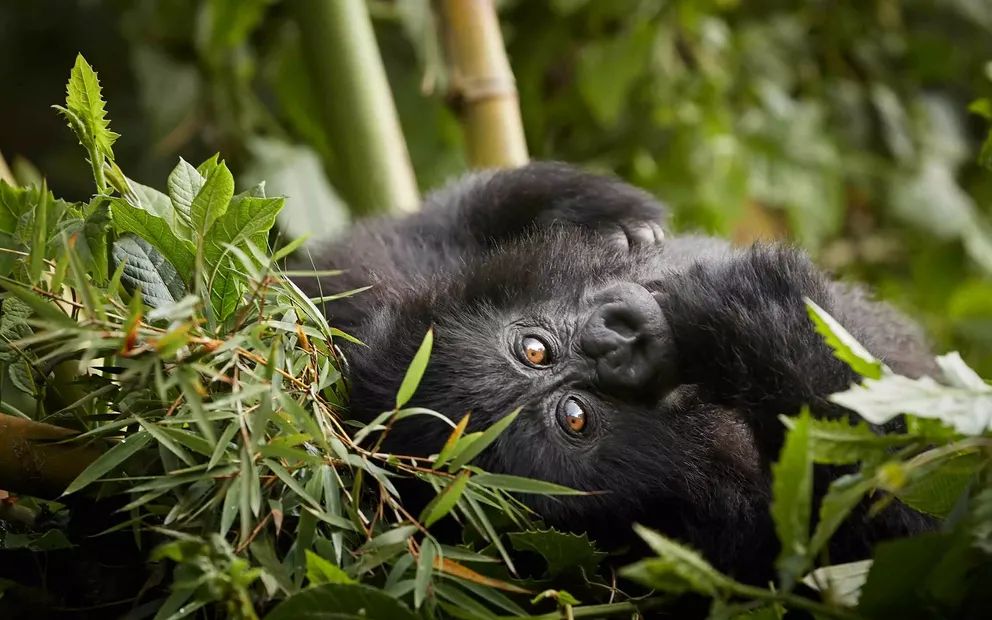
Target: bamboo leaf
[(109, 460), (416, 371)]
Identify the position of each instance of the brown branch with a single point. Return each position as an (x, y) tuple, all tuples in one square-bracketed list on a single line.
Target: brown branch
[(482, 84), (32, 464)]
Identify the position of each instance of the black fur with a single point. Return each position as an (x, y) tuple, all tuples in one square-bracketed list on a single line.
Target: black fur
[(537, 250)]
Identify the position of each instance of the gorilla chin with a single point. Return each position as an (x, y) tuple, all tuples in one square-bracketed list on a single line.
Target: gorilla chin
[(650, 368)]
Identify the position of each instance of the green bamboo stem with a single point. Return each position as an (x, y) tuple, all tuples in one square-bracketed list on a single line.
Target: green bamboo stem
[(359, 116), (482, 84)]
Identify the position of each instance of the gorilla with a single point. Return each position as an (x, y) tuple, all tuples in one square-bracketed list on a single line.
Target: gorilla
[(650, 368)]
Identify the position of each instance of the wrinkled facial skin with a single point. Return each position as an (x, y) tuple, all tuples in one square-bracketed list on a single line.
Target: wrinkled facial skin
[(649, 449)]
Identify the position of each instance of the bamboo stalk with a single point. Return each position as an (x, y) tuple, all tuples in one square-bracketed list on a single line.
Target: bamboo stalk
[(359, 116), (482, 84), (31, 464)]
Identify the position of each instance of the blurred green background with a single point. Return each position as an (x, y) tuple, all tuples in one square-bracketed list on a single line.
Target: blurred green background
[(844, 126)]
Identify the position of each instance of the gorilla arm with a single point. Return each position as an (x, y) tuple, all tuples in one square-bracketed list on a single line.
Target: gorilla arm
[(742, 334)]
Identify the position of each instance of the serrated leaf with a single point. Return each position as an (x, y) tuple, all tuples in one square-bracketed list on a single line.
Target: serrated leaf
[(841, 583), (792, 488), (84, 100), (109, 460), (677, 569), (145, 268), (969, 411), (415, 371), (937, 491), (444, 501), (156, 231), (838, 442), (562, 552), (846, 347), (334, 601)]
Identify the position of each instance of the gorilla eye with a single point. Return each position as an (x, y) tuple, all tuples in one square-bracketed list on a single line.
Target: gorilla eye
[(535, 352), (573, 415)]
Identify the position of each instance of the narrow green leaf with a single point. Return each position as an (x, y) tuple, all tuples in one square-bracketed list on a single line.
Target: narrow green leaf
[(416, 371), (845, 346), (444, 501), (320, 571), (487, 437), (792, 488), (425, 569), (519, 484), (184, 184), (109, 460)]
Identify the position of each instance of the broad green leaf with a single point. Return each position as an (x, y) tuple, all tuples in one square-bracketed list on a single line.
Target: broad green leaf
[(247, 219), (845, 346), (425, 569), (937, 490), (85, 101), (839, 442), (967, 410), (145, 268), (563, 552), (184, 185), (482, 442), (320, 571), (792, 488), (677, 568), (156, 231), (109, 460), (14, 203), (520, 484), (334, 601), (415, 371), (841, 583), (212, 200), (444, 501)]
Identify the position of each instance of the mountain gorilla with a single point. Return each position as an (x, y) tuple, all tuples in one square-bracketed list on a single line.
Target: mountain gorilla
[(651, 368)]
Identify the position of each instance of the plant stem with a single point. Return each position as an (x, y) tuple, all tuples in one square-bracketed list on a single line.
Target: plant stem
[(31, 463), (795, 601), (483, 85), (359, 116)]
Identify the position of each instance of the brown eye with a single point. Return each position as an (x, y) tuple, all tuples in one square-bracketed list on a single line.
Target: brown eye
[(573, 415), (535, 351)]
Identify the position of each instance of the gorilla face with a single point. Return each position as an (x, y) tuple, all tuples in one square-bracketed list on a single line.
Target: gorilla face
[(585, 350), (649, 372)]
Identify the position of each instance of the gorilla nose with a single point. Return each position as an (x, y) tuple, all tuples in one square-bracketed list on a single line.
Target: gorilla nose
[(629, 342)]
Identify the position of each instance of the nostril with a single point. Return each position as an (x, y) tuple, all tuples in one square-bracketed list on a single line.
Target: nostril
[(623, 322)]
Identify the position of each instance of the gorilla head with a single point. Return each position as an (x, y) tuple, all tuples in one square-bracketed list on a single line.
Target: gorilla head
[(649, 370)]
